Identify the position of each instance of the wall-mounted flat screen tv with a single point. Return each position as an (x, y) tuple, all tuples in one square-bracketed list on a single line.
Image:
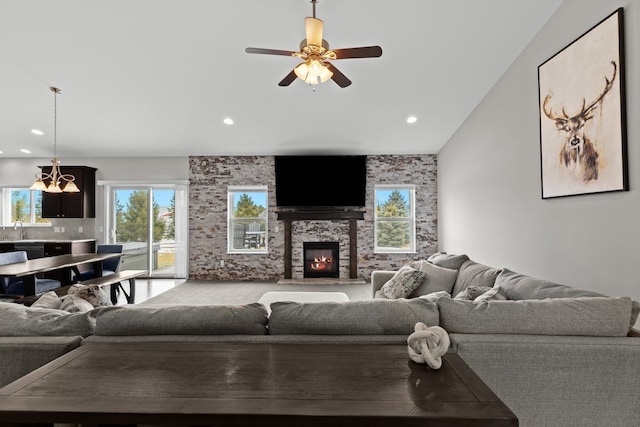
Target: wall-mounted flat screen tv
[(321, 181)]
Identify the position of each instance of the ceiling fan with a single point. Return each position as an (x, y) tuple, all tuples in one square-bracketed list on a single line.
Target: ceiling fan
[(315, 53)]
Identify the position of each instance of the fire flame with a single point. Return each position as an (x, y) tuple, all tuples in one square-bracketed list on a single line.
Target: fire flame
[(321, 263)]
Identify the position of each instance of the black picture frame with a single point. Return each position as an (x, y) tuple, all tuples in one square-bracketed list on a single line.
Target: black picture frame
[(582, 108)]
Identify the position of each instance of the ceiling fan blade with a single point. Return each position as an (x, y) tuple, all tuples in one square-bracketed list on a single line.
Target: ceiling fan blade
[(288, 79), (337, 76), (269, 51), (358, 52), (313, 29)]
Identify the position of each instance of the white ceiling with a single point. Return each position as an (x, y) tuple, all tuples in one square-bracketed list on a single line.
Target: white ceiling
[(157, 77)]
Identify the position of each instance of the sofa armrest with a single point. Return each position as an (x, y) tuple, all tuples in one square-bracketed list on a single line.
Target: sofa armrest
[(379, 278)]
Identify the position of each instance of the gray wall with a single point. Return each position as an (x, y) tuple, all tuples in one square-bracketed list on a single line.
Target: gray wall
[(489, 191)]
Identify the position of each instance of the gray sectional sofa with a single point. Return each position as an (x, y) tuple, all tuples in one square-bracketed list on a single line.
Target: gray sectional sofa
[(556, 355)]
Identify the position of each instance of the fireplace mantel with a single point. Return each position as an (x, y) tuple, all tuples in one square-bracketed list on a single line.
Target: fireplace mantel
[(322, 215)]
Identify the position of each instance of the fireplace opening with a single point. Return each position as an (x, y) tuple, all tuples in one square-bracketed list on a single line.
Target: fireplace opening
[(321, 259)]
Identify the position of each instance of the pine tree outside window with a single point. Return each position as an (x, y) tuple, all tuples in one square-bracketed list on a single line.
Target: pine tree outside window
[(22, 204), (395, 228), (247, 220)]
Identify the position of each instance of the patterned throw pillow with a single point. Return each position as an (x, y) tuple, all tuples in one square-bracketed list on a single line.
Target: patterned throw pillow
[(403, 283), (74, 304), (92, 293)]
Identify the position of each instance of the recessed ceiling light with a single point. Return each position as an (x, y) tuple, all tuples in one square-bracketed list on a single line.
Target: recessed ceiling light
[(25, 151), (228, 121), (412, 119), (0, 151), (37, 132)]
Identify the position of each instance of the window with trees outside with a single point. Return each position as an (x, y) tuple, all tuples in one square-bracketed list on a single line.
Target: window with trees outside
[(395, 228), (247, 220), (22, 205), (150, 221)]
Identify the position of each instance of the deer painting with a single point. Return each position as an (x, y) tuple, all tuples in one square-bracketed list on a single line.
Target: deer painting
[(578, 152)]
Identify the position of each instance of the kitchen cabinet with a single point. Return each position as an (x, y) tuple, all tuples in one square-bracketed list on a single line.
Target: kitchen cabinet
[(72, 205)]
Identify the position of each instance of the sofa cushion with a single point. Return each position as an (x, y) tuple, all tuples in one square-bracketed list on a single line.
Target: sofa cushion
[(472, 273), (443, 259), (18, 320), (494, 294), (437, 278), (589, 316), (471, 293), (403, 283), (249, 319), (369, 317), (519, 286), (435, 296)]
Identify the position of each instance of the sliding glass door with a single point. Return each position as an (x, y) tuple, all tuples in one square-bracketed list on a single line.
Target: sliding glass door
[(150, 222)]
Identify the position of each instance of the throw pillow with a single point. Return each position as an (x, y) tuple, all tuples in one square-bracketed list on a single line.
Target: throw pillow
[(92, 293), (493, 294), (471, 293), (438, 278), (75, 304), (48, 300), (403, 283)]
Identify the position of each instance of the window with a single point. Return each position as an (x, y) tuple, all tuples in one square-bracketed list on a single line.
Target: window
[(22, 204), (247, 220), (150, 220), (395, 226)]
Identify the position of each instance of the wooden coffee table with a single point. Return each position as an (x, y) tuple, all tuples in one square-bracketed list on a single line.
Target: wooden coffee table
[(251, 385)]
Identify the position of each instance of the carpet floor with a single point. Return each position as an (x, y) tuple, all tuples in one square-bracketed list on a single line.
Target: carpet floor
[(202, 292)]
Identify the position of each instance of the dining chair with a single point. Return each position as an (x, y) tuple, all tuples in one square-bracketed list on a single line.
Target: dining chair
[(15, 285), (109, 266)]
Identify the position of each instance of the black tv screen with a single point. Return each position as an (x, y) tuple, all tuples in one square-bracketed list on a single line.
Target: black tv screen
[(321, 182)]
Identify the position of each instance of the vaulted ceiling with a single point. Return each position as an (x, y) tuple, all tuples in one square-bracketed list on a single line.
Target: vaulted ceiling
[(157, 77)]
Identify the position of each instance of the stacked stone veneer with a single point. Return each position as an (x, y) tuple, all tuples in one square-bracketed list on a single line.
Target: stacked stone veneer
[(210, 177)]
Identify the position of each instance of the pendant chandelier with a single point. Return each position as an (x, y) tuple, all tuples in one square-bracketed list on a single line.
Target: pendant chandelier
[(58, 182)]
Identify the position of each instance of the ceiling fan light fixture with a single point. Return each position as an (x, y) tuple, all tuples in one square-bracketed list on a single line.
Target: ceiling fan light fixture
[(313, 72)]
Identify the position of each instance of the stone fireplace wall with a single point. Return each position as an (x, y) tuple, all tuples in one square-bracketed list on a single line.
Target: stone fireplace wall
[(210, 177)]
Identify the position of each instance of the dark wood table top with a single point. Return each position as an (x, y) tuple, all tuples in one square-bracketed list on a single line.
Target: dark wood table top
[(57, 262), (251, 385)]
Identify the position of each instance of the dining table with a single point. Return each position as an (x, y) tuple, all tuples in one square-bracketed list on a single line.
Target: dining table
[(28, 270)]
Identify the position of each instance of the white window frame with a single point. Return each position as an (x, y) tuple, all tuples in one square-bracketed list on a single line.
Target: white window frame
[(181, 220), (5, 208), (411, 219), (231, 190)]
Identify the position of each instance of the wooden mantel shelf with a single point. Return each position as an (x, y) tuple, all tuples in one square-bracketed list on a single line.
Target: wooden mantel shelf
[(329, 215), (322, 215)]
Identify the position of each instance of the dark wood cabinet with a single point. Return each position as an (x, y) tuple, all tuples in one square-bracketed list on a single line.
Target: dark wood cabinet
[(72, 205)]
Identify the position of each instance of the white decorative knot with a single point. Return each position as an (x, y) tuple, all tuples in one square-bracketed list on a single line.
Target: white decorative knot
[(428, 345)]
